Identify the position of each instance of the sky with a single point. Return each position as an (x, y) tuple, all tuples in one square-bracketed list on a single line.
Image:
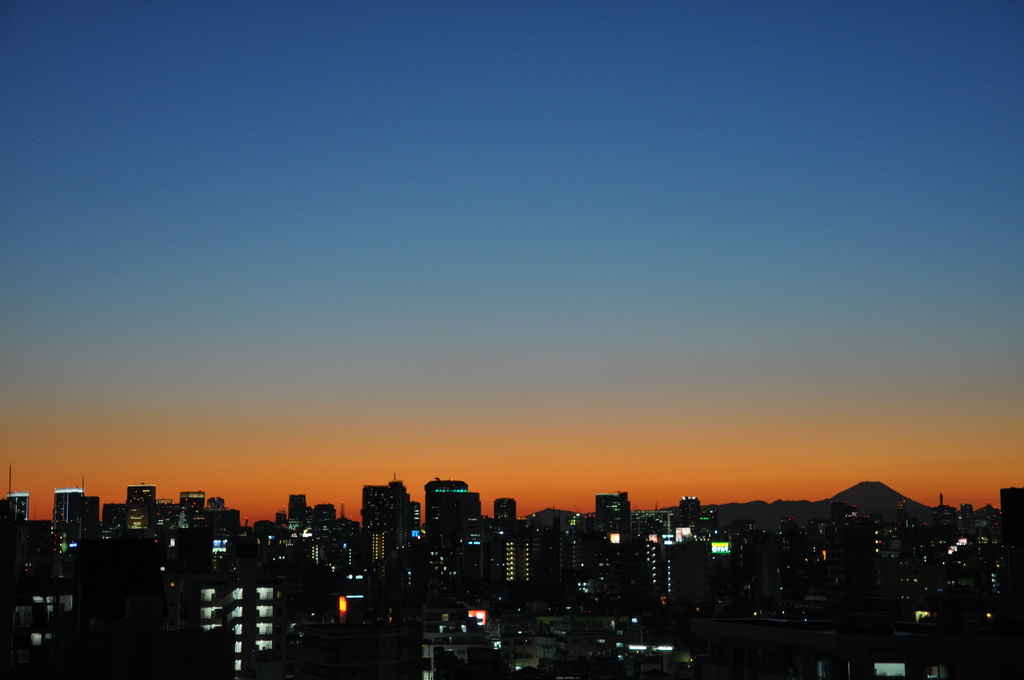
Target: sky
[(734, 250)]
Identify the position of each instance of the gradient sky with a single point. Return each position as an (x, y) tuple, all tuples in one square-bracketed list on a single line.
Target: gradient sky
[(737, 250)]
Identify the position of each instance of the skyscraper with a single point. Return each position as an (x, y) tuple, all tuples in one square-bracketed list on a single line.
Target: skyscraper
[(19, 505), (67, 513), (612, 512), (142, 494), (451, 508), (453, 528), (297, 511), (689, 512), (386, 511), (505, 514)]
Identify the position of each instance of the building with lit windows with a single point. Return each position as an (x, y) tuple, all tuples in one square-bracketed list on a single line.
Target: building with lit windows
[(612, 514), (19, 505)]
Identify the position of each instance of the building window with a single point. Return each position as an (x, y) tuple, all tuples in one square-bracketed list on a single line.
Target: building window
[(890, 670)]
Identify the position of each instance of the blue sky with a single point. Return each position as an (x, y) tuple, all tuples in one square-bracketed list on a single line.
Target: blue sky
[(343, 199)]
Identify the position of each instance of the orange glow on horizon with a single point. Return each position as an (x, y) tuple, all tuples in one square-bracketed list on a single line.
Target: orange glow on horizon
[(553, 455)]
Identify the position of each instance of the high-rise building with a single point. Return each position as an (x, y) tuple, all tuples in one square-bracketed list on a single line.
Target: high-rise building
[(454, 530), (92, 529), (324, 514), (386, 511), (297, 510), (192, 500), (142, 494), (612, 513), (414, 518), (451, 508), (67, 505), (190, 505), (944, 515), (19, 505), (115, 520), (67, 513), (504, 514), (689, 512)]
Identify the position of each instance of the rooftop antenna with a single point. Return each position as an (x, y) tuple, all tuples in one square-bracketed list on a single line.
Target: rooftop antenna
[(10, 476)]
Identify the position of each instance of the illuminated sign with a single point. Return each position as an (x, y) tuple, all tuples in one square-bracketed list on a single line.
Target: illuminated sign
[(682, 533), (480, 615), (720, 547), (342, 607)]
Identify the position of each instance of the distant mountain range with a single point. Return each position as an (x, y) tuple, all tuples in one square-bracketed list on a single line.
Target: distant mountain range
[(869, 497)]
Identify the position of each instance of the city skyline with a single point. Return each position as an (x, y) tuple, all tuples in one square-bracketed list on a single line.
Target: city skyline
[(41, 507), (737, 251)]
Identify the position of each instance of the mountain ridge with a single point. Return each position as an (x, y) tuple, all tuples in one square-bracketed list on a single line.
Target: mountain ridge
[(869, 497)]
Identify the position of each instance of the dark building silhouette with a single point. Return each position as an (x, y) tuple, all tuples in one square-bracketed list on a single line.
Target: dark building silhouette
[(1012, 502), (297, 511), (19, 505), (453, 529), (385, 511), (504, 514), (143, 494), (612, 513), (67, 513), (114, 520), (357, 650), (92, 528), (689, 512)]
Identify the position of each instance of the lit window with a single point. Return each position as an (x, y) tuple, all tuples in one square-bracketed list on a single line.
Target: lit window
[(890, 670)]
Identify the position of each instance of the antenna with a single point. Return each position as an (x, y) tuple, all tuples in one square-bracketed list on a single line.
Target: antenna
[(10, 476)]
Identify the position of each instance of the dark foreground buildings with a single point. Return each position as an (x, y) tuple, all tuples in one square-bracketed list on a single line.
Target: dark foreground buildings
[(151, 588)]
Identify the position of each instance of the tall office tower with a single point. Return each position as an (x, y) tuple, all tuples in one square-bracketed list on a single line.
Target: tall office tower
[(612, 513), (192, 500), (92, 529), (965, 518), (453, 526), (115, 520), (67, 505), (414, 518), (190, 505), (386, 511), (297, 510), (324, 514), (141, 494), (505, 515), (67, 513), (19, 505), (944, 515), (689, 512), (452, 510), (139, 507)]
